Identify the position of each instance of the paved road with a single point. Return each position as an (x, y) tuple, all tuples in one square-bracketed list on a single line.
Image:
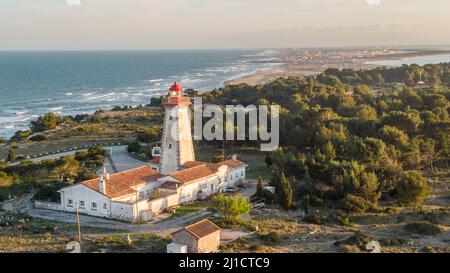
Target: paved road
[(121, 161), (118, 162)]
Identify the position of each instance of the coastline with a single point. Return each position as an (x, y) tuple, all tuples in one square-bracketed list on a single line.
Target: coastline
[(291, 67)]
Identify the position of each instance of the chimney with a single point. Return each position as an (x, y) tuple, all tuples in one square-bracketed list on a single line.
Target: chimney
[(102, 185), (234, 157), (105, 173)]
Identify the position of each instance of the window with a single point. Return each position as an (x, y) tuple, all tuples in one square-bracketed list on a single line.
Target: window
[(203, 186), (70, 203), (242, 173), (170, 146), (104, 206), (81, 203), (94, 205)]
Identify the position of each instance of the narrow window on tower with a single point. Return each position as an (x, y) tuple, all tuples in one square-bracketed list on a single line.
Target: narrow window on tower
[(170, 146)]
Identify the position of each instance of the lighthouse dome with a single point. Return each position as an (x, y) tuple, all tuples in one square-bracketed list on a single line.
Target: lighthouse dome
[(176, 88)]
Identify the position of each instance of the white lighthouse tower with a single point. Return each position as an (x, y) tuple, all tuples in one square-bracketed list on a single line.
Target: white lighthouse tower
[(176, 143)]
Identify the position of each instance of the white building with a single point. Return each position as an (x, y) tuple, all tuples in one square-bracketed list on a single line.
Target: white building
[(172, 178)]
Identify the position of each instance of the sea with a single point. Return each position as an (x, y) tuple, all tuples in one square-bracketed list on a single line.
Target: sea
[(71, 83), (420, 60)]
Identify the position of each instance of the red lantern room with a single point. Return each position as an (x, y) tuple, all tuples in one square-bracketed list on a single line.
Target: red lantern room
[(176, 89), (176, 97)]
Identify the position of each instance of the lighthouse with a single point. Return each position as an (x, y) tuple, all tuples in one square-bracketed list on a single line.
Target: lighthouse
[(176, 143)]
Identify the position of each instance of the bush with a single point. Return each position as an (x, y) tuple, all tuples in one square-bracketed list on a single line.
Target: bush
[(355, 204), (38, 137), (424, 228), (392, 242), (232, 207), (358, 239), (149, 135), (341, 217), (412, 188), (134, 147), (315, 218), (11, 219), (50, 192), (273, 237), (5, 179)]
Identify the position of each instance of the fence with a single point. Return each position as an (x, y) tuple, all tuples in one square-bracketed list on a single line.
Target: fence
[(47, 205)]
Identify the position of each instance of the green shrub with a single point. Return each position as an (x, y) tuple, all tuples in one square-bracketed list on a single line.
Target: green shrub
[(315, 218), (38, 137), (341, 217), (392, 242), (272, 237), (134, 147), (355, 204), (412, 188), (50, 192), (357, 239), (424, 228)]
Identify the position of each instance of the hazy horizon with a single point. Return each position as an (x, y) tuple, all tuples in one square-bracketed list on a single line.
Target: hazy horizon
[(221, 24)]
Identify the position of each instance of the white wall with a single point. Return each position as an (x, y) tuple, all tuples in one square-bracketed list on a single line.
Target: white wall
[(80, 193), (122, 211), (158, 205), (235, 176)]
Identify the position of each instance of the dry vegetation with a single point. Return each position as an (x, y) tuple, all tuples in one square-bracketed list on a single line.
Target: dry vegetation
[(110, 127), (397, 229)]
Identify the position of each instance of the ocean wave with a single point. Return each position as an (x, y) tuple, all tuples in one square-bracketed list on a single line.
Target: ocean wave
[(156, 80), (55, 109), (101, 96), (21, 113), (68, 94)]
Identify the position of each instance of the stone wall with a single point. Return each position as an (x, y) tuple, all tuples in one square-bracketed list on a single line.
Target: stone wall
[(185, 238), (209, 243)]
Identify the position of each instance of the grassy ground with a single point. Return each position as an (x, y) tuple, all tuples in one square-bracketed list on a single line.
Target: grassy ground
[(40, 235), (251, 156), (126, 243), (191, 208)]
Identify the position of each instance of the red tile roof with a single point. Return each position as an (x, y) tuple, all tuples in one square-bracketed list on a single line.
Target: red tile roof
[(232, 163), (121, 184), (200, 229), (192, 174), (190, 164), (195, 170)]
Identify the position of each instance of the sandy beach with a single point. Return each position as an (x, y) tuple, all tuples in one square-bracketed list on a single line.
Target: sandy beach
[(311, 62)]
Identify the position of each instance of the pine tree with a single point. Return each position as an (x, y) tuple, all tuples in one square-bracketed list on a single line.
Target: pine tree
[(260, 188), (285, 193), (11, 155)]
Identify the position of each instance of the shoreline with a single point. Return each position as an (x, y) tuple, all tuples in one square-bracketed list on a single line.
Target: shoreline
[(290, 66)]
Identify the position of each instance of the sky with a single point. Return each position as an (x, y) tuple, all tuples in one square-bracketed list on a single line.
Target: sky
[(211, 24)]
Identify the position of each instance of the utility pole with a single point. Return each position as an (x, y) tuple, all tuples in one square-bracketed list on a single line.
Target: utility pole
[(137, 197), (78, 225)]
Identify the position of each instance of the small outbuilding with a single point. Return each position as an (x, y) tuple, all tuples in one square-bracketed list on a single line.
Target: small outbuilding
[(200, 237)]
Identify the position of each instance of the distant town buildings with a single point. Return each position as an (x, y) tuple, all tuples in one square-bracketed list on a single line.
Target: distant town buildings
[(173, 177)]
